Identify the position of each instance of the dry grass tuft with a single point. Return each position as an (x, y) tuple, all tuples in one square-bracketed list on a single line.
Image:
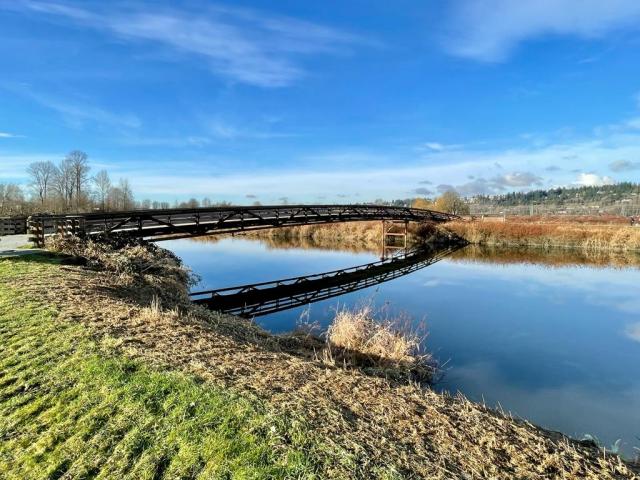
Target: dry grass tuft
[(356, 338)]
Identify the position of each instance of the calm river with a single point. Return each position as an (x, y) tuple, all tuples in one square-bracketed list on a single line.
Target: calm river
[(548, 337)]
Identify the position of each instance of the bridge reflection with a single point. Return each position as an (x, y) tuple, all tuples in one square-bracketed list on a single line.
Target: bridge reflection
[(259, 299)]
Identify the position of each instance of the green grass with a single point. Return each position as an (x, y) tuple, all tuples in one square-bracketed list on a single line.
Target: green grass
[(70, 407)]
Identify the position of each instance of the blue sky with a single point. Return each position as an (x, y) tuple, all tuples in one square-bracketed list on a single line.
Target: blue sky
[(336, 101)]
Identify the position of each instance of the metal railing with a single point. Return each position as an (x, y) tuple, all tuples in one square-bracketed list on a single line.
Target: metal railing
[(179, 223)]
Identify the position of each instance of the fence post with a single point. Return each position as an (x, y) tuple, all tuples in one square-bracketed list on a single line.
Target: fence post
[(35, 227)]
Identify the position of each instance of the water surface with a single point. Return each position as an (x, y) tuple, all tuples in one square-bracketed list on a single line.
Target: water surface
[(545, 336)]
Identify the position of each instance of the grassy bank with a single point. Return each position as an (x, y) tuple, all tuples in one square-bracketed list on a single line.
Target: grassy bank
[(550, 234), (71, 407), (110, 372)]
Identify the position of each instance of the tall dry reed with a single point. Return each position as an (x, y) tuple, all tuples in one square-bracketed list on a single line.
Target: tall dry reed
[(568, 235)]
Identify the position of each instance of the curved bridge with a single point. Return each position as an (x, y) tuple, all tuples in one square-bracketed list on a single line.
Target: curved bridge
[(181, 222), (264, 298)]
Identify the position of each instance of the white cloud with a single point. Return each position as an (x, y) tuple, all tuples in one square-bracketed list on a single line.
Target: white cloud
[(241, 44), (438, 147), (490, 30), (10, 135), (593, 180)]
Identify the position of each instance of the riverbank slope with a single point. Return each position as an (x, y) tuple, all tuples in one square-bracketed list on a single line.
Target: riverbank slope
[(110, 370)]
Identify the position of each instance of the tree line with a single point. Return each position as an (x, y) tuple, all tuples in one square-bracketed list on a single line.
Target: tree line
[(563, 195), (70, 187), (67, 186)]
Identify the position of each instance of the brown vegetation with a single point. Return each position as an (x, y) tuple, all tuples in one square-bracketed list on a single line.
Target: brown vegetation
[(356, 236), (552, 234), (381, 346), (371, 427), (355, 233)]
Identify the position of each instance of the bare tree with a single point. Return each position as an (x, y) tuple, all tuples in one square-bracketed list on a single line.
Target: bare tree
[(121, 197), (79, 167), (103, 186), (63, 183), (192, 203), (41, 174), (11, 199), (127, 194)]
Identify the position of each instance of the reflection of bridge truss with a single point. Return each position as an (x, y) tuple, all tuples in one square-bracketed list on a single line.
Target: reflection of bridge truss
[(201, 221), (269, 297)]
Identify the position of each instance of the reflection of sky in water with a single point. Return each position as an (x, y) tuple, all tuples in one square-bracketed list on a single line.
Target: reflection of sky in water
[(559, 346)]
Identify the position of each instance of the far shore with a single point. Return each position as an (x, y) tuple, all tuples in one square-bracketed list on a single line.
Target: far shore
[(607, 234)]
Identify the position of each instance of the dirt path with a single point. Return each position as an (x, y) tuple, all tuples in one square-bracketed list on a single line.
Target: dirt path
[(10, 246)]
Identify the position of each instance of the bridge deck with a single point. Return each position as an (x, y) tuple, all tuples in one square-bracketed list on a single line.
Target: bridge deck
[(202, 221)]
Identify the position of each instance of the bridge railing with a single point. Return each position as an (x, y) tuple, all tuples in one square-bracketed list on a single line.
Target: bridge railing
[(195, 221)]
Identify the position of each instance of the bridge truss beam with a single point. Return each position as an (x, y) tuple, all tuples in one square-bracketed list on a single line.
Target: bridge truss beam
[(179, 223)]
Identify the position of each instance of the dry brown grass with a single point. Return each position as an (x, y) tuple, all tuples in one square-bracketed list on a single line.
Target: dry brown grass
[(358, 330), (355, 236), (565, 235), (355, 233), (381, 346), (371, 427)]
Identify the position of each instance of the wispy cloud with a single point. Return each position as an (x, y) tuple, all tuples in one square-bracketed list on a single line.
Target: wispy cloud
[(10, 135), (490, 30), (74, 111), (633, 332), (13, 167), (240, 44), (225, 130)]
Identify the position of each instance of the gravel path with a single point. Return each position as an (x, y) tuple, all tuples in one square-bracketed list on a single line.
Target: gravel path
[(10, 246)]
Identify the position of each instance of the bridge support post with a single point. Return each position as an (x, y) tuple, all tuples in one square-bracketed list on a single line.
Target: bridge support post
[(389, 234)]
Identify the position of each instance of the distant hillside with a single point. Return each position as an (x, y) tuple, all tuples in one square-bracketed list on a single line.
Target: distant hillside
[(621, 198)]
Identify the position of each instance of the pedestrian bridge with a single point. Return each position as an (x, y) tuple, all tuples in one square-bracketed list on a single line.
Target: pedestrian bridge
[(181, 222)]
